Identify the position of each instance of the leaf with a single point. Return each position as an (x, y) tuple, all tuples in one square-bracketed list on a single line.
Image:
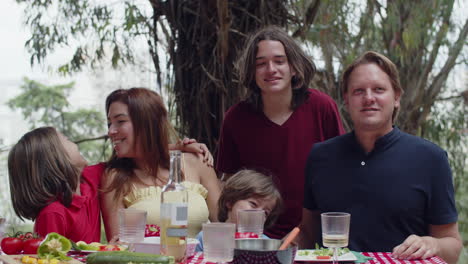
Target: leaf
[(115, 56)]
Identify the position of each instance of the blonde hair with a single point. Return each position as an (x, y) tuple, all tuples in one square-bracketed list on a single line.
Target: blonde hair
[(385, 64)]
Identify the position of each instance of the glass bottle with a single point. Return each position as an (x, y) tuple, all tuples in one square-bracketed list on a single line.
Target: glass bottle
[(174, 212)]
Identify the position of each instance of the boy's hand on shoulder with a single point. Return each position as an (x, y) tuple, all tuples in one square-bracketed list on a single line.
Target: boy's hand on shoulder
[(200, 149)]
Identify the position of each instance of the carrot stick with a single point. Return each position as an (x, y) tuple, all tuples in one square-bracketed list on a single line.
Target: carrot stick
[(289, 238)]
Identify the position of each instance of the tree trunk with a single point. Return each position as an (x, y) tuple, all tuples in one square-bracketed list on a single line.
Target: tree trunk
[(207, 38)]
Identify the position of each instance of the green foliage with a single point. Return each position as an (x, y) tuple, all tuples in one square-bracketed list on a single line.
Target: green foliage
[(103, 31), (43, 105), (447, 127), (421, 37)]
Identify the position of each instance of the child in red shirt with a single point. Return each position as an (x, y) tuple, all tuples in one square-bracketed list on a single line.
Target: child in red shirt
[(51, 184)]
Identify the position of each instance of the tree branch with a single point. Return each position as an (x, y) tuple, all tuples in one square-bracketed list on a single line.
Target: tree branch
[(309, 18), (441, 33), (439, 80), (91, 139), (224, 24), (365, 21), (5, 148), (454, 51), (449, 98)]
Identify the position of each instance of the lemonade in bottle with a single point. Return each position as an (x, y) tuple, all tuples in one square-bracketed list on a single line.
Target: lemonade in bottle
[(174, 212)]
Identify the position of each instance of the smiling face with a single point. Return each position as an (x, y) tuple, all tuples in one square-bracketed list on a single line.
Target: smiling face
[(273, 73), (251, 203), (371, 99), (120, 130)]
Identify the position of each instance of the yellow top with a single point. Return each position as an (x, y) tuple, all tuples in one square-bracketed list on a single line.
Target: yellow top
[(149, 199)]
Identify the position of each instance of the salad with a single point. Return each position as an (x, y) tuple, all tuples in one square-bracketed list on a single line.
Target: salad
[(95, 246), (322, 253)]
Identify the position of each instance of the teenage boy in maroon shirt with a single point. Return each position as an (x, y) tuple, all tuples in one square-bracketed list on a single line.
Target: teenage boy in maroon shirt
[(274, 129)]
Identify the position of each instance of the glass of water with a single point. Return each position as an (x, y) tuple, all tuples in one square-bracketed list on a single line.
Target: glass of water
[(218, 242), (335, 231), (132, 223), (251, 220)]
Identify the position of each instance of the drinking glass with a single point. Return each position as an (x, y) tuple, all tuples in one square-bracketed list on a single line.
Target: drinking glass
[(218, 242), (335, 231), (132, 223), (251, 220)]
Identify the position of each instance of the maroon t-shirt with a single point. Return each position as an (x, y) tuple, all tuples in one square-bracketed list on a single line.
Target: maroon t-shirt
[(81, 221), (249, 140)]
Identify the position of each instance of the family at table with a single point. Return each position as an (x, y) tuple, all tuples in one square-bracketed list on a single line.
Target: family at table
[(282, 149)]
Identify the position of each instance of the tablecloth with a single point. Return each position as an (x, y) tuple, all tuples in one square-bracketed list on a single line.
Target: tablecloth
[(379, 258), (386, 258)]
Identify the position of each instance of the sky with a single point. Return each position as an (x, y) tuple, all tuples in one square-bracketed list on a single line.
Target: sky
[(90, 88), (14, 66)]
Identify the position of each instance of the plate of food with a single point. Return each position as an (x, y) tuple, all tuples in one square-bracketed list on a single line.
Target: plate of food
[(324, 255)]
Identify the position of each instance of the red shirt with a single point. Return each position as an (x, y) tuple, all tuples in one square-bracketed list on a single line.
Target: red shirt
[(81, 221), (250, 140)]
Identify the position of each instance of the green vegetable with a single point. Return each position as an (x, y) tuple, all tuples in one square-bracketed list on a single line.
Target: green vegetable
[(84, 246), (320, 251), (75, 246), (124, 257), (54, 246)]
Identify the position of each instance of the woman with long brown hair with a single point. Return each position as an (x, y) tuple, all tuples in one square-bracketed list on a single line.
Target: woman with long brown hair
[(140, 132)]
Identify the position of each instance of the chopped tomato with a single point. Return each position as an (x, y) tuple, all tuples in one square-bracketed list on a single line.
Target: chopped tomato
[(152, 230), (323, 257), (109, 248), (246, 235)]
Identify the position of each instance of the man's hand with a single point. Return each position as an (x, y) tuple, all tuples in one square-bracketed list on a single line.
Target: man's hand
[(416, 247)]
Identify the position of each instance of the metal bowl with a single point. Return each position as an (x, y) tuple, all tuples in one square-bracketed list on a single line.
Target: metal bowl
[(259, 251)]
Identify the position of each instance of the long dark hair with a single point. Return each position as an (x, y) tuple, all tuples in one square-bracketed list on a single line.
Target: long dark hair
[(299, 62), (151, 131), (40, 172)]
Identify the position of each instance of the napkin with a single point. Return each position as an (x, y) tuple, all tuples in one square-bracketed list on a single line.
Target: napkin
[(360, 257)]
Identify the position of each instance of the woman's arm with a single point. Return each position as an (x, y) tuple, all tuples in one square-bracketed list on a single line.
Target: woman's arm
[(206, 176), (110, 208)]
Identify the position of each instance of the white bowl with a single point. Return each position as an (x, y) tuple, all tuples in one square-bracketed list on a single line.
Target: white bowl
[(152, 245)]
